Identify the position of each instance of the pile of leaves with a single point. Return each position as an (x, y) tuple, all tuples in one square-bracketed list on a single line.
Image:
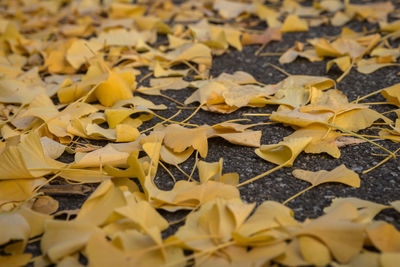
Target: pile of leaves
[(76, 82)]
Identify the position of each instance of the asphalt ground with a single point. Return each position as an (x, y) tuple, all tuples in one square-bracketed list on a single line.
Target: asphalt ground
[(381, 185)]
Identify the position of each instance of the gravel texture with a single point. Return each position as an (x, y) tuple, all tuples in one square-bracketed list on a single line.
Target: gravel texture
[(381, 185)]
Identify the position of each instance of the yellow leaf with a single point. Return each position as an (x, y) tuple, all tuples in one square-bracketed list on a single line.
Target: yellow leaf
[(292, 255), (396, 205), (15, 260), (344, 63), (99, 207), (324, 49), (143, 215), (314, 251), (338, 175), (26, 160), (268, 14), (106, 155), (18, 190), (293, 23), (113, 89), (197, 53), (13, 226), (358, 119), (323, 140), (126, 133), (101, 253), (189, 195), (80, 52), (269, 215), (35, 220), (179, 139), (343, 237), (303, 119), (367, 210), (392, 94), (389, 259), (384, 236), (116, 116), (62, 238), (285, 152), (169, 156), (51, 148)]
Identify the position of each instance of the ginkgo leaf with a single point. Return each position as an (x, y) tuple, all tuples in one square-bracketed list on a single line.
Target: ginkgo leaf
[(338, 175), (343, 237), (293, 23), (389, 259), (236, 134), (384, 237), (62, 238), (106, 155), (358, 119), (100, 206), (144, 215), (51, 148), (270, 34), (392, 94), (80, 51), (26, 160), (18, 190), (15, 260), (314, 251), (323, 140), (292, 255), (396, 205), (18, 229), (367, 210), (179, 138), (268, 216), (188, 195), (169, 156), (35, 220), (268, 14), (116, 116), (303, 119), (113, 89), (285, 152)]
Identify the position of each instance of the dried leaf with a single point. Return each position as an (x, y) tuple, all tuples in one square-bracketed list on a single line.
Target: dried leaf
[(338, 175)]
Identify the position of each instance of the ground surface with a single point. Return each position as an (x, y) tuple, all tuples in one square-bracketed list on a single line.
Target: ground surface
[(381, 185)]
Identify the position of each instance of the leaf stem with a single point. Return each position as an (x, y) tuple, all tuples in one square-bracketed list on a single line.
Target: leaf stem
[(297, 194), (361, 137), (383, 161)]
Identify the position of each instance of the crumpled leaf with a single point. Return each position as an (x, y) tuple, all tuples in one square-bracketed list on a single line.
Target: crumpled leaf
[(285, 152), (179, 139)]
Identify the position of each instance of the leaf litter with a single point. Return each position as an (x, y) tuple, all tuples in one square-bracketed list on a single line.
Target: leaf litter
[(73, 73)]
